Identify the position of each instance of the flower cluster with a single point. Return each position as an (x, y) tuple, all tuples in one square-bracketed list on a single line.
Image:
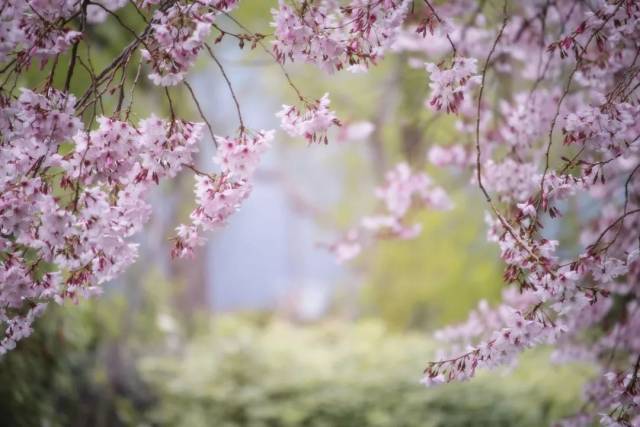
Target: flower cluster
[(402, 186), (331, 37), (179, 33), (66, 213), (26, 31), (169, 147), (449, 85), (403, 191), (312, 123), (527, 118), (588, 96), (455, 155), (510, 179), (609, 129), (218, 197), (240, 156)]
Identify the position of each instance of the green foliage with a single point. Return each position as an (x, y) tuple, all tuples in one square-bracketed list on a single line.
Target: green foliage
[(103, 364), (71, 372), (78, 368), (236, 374)]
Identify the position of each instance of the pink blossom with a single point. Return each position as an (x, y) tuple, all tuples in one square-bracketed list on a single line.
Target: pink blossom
[(218, 197), (449, 85), (240, 156), (312, 123), (403, 191), (331, 37), (347, 248), (455, 155), (179, 34)]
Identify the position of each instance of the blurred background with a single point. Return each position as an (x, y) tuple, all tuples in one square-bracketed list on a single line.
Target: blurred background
[(262, 327)]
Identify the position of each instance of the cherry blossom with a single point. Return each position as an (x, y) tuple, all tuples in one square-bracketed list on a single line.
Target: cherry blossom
[(455, 155), (74, 191), (218, 197), (312, 123), (403, 192), (449, 85), (240, 156), (179, 34), (580, 95), (334, 37), (348, 247), (26, 32), (65, 245)]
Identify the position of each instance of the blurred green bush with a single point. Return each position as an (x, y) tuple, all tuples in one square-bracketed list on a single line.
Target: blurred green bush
[(98, 366), (335, 374), (77, 369)]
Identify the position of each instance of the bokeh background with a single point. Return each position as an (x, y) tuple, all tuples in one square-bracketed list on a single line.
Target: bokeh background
[(262, 328)]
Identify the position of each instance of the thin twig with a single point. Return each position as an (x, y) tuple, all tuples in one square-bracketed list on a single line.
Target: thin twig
[(229, 85), (195, 100)]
